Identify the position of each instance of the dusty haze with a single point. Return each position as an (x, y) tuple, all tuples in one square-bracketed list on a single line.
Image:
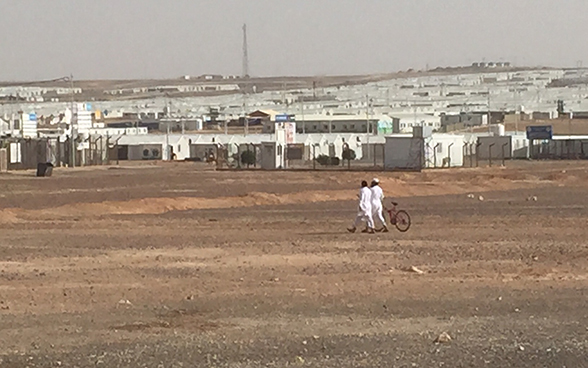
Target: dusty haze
[(153, 39)]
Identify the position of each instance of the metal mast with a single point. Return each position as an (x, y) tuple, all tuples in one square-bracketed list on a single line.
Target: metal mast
[(245, 72)]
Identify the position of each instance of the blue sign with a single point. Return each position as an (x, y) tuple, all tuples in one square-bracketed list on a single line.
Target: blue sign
[(284, 118), (539, 132), (33, 117)]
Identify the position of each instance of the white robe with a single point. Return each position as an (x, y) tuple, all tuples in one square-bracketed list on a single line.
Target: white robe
[(377, 207), (365, 208)]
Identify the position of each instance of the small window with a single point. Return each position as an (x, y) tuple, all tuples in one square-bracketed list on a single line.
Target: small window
[(344, 127), (314, 127), (179, 148), (440, 148), (352, 126)]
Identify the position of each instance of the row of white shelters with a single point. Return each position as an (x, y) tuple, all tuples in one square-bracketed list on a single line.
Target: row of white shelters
[(190, 146)]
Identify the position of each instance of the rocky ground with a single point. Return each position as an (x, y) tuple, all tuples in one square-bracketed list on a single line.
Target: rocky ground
[(179, 266)]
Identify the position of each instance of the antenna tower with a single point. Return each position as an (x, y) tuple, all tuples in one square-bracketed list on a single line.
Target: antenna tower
[(245, 73)]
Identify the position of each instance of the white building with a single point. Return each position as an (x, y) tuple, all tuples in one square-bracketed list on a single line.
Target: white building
[(407, 151)]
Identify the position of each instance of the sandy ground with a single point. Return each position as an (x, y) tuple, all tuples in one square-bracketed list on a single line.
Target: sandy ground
[(173, 265)]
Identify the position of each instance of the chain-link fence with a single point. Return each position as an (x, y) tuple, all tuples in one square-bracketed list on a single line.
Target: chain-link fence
[(25, 154), (294, 156)]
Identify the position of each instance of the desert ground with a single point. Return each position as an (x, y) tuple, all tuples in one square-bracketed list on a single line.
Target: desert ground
[(178, 265)]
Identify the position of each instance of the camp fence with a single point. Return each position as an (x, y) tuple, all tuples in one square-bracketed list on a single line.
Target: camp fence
[(25, 154)]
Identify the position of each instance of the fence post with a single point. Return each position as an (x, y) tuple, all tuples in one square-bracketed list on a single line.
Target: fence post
[(116, 150), (72, 163), (503, 158), (98, 151), (349, 160), (471, 145), (435, 155), (384, 157), (490, 154), (101, 150), (108, 150), (314, 157), (449, 155), (346, 151), (58, 152)]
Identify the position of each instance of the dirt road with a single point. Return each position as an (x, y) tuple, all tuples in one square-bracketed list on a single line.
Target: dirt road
[(173, 265)]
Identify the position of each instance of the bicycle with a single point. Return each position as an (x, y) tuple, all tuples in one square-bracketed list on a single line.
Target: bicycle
[(399, 218)]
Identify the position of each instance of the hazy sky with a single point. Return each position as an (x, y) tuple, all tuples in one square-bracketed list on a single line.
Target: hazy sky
[(41, 39)]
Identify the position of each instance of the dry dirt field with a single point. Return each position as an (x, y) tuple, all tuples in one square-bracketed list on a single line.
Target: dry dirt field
[(174, 265)]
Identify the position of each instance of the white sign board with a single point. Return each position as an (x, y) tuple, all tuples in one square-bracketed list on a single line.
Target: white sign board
[(29, 125), (290, 132), (15, 153)]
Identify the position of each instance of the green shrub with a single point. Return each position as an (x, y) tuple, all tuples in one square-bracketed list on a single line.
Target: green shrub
[(328, 161), (248, 157), (349, 154)]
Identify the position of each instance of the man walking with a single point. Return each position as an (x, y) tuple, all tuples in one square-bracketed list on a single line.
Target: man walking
[(365, 209), (377, 204)]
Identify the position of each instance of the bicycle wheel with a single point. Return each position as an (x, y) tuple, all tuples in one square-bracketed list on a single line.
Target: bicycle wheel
[(402, 221)]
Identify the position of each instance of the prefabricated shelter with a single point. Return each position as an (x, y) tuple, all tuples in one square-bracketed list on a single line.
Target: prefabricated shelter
[(444, 150), (568, 147), (510, 146), (272, 155), (408, 121), (339, 123), (464, 119), (494, 147), (414, 152), (404, 151), (144, 152), (520, 146), (152, 147)]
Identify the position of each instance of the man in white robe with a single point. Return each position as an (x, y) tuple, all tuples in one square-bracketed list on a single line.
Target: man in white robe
[(365, 209), (377, 204)]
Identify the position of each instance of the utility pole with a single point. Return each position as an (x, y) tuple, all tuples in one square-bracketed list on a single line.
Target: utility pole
[(302, 114), (367, 120), (167, 142), (246, 122), (72, 123), (245, 71), (489, 122)]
